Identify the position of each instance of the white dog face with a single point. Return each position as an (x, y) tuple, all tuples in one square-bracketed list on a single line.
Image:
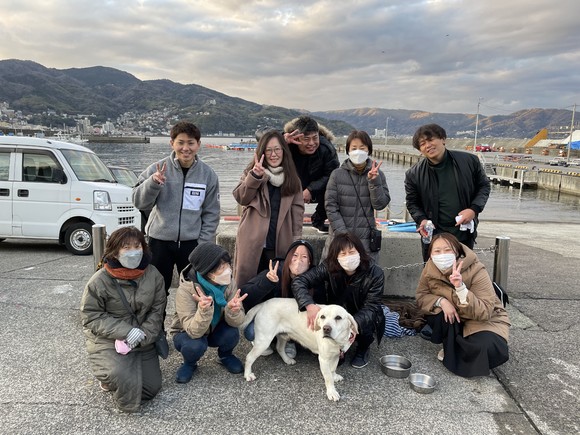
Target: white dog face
[(336, 323)]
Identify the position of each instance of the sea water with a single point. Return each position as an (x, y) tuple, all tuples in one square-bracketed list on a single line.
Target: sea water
[(505, 203)]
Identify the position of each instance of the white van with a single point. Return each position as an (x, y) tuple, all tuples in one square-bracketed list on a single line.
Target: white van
[(55, 190)]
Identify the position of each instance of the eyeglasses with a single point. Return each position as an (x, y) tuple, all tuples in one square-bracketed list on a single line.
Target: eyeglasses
[(270, 151)]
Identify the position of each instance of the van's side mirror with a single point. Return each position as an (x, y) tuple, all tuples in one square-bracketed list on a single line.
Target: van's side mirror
[(58, 176)]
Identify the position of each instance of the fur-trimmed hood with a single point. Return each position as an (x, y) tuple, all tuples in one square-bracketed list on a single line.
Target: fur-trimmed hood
[(290, 126)]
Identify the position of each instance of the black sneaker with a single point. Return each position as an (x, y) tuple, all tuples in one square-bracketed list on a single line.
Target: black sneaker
[(322, 228), (360, 360)]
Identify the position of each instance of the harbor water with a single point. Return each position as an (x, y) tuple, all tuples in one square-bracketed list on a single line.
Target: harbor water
[(505, 203)]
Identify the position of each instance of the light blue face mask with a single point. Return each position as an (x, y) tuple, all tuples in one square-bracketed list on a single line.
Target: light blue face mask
[(131, 259)]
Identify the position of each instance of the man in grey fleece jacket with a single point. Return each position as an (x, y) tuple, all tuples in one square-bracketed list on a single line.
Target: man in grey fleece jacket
[(182, 193)]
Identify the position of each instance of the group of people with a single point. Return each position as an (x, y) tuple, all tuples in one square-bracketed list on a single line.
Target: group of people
[(124, 303)]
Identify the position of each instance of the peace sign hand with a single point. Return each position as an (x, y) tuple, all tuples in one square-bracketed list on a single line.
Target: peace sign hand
[(293, 137), (159, 176), (258, 168), (235, 303), (272, 274), (455, 276), (374, 172), (204, 302)]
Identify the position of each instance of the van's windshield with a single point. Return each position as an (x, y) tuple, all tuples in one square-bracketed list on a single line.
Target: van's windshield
[(88, 166)]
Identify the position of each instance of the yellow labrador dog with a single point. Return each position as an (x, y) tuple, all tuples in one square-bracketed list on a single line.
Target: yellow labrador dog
[(333, 331)]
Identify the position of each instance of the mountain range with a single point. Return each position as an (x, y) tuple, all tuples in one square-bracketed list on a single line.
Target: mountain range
[(106, 93)]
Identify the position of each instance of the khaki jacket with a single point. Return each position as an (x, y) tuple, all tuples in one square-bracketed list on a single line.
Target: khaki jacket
[(188, 318), (483, 310)]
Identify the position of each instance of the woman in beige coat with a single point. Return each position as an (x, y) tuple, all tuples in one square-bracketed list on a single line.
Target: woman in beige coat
[(273, 208), (456, 293)]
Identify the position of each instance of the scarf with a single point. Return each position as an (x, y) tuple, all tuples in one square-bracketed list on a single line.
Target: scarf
[(116, 269), (276, 175), (217, 294)]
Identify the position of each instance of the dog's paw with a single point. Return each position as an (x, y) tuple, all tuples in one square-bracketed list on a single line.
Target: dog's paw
[(337, 377), (333, 395), (289, 361), (250, 377)]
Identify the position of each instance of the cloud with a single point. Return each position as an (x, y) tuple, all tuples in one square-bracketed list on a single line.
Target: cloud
[(438, 55)]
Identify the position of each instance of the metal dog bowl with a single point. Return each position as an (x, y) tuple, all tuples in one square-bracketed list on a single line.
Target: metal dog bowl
[(395, 366), (421, 383)]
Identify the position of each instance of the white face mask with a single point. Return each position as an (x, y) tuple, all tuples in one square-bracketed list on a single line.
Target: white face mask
[(349, 262), (223, 278), (443, 261), (358, 157), (131, 259)]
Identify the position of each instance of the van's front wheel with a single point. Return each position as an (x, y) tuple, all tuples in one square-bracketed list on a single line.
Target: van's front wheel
[(78, 239)]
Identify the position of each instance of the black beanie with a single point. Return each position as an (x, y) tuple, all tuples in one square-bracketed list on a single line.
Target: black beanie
[(302, 243), (207, 256)]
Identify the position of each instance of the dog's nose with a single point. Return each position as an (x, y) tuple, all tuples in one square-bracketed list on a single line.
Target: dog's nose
[(326, 329)]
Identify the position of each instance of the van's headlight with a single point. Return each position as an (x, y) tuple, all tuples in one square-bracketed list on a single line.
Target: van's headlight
[(101, 200)]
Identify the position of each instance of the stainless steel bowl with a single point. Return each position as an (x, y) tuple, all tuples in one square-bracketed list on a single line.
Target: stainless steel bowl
[(395, 366), (422, 383)]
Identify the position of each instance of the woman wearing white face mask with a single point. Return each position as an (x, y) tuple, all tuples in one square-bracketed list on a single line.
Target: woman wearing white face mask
[(208, 311), (120, 344), (457, 295), (355, 191), (351, 279)]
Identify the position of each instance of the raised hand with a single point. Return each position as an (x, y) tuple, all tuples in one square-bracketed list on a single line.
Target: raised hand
[(293, 137), (204, 301), (235, 303), (455, 277), (159, 176), (374, 172), (258, 168), (272, 274)]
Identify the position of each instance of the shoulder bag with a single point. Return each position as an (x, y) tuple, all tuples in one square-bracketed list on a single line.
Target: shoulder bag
[(161, 344), (375, 234)]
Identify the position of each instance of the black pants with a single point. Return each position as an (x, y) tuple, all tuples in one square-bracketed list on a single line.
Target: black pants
[(167, 255), (319, 215), (469, 356)]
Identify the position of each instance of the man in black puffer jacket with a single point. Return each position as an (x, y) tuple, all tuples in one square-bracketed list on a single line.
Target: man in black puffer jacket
[(449, 188), (315, 158)]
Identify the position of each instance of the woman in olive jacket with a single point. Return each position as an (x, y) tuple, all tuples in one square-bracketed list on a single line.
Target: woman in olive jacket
[(457, 295), (121, 349), (351, 280), (273, 208)]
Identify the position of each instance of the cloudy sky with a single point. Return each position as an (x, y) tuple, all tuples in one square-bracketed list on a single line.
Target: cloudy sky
[(437, 55)]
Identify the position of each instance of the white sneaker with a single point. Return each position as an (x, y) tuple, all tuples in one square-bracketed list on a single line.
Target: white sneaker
[(268, 351), (440, 355), (290, 349)]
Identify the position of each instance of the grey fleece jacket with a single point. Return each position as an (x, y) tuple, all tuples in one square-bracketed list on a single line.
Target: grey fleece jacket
[(181, 209)]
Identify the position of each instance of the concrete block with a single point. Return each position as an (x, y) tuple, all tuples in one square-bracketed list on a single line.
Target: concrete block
[(400, 256)]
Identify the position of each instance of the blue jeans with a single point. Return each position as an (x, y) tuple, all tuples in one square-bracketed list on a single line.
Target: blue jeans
[(223, 336)]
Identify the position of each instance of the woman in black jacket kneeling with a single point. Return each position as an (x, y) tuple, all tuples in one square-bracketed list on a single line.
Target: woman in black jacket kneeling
[(351, 280)]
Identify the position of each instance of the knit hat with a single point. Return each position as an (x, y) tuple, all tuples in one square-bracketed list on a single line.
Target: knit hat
[(302, 243), (207, 256)]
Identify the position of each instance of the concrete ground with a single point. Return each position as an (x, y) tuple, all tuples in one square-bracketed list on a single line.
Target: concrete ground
[(47, 386)]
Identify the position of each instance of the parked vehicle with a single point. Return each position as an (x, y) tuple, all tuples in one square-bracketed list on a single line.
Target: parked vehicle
[(57, 191), (558, 161), (574, 162), (483, 148), (124, 175)]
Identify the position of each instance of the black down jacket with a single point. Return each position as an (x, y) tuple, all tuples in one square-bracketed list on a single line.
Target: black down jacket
[(367, 289)]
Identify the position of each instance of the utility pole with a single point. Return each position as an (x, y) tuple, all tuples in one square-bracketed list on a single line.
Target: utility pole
[(571, 132), (476, 123), (386, 131)]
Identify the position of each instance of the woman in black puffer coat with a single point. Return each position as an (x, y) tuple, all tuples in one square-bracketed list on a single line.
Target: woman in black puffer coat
[(351, 280)]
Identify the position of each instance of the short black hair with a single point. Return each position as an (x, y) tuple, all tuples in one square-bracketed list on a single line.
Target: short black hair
[(306, 124), (428, 132), (364, 138), (185, 127)]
